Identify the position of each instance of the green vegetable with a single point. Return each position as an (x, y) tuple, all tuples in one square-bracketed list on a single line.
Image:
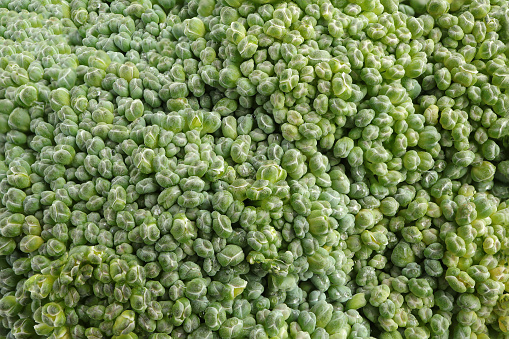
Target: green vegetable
[(254, 169)]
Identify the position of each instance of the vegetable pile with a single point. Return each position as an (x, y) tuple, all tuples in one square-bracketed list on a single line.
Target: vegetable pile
[(254, 169)]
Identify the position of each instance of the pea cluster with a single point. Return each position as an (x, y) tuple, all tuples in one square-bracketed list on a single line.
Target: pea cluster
[(257, 169)]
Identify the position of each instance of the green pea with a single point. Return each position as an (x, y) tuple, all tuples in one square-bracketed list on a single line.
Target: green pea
[(356, 302), (483, 172), (379, 294), (124, 323), (402, 254), (231, 255)]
